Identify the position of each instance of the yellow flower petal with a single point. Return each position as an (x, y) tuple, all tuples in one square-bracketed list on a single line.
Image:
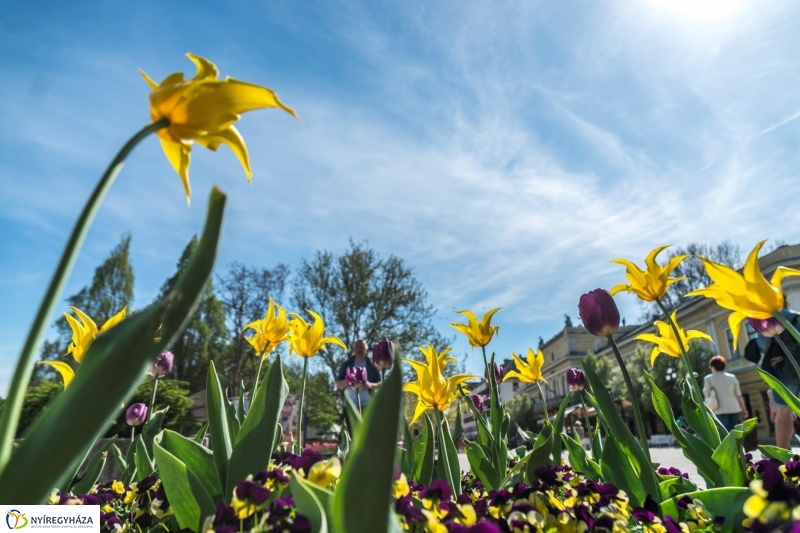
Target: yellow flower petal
[(179, 155), (67, 374), (233, 139)]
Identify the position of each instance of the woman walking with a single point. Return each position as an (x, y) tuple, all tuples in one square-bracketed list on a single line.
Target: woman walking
[(722, 394)]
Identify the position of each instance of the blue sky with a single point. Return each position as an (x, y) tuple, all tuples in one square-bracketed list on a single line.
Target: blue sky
[(506, 150)]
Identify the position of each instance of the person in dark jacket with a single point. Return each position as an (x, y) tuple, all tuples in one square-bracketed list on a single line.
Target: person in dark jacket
[(359, 358), (768, 354)]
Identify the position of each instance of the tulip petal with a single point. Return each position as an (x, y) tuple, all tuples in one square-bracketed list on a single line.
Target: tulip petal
[(511, 374), (88, 323), (418, 411), (153, 85), (650, 260), (735, 323), (205, 68), (114, 320), (179, 155), (63, 368), (618, 288), (233, 139), (781, 273)]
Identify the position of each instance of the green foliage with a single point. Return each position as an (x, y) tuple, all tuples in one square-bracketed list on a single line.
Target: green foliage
[(205, 336), (171, 393), (522, 414), (322, 411), (37, 397), (362, 295)]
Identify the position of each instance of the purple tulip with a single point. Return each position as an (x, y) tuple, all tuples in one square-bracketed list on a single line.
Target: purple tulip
[(599, 312), (356, 377), (383, 354), (477, 399), (498, 373), (576, 379), (768, 327), (136, 414), (163, 365)]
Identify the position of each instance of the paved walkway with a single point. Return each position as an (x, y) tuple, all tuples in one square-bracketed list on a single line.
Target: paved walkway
[(663, 456)]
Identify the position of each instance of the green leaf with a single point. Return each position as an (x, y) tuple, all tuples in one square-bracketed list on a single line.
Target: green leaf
[(622, 437), (122, 464), (308, 504), (449, 458), (697, 451), (481, 466), (197, 458), (240, 414), (458, 427), (188, 498), (727, 502), (407, 463), (617, 468), (675, 486), (201, 434), (230, 410), (695, 415), (540, 455), (253, 447), (773, 452), (127, 475), (788, 396), (108, 376), (424, 454), (144, 465), (527, 436), (99, 455), (221, 441), (558, 425), (730, 455), (579, 461), (353, 416), (91, 476), (151, 428), (363, 495)]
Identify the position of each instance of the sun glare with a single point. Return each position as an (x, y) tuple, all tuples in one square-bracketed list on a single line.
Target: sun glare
[(699, 9)]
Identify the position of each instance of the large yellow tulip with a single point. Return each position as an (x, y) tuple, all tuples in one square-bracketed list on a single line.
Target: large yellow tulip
[(270, 331), (479, 332), (307, 339), (650, 284), (530, 372), (203, 110), (432, 389), (666, 341), (85, 331), (749, 294)]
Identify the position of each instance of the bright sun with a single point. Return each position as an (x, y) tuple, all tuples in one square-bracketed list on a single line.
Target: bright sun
[(699, 9)]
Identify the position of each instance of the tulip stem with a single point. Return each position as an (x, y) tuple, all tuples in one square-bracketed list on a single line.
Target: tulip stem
[(9, 420), (586, 421), (544, 403), (637, 412), (153, 399), (383, 374), (443, 449), (299, 445), (258, 374), (133, 434), (358, 399)]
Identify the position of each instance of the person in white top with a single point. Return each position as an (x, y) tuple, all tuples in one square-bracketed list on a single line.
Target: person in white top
[(722, 388)]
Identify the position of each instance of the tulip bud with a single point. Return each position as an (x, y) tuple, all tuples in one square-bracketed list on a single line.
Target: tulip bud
[(498, 373), (477, 399), (356, 377), (163, 365), (599, 312), (576, 379), (136, 414), (768, 327), (383, 354)]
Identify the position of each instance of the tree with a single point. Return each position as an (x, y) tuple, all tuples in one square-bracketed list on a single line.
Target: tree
[(245, 293), (322, 410), (521, 410), (205, 336), (111, 290), (692, 268), (361, 295)]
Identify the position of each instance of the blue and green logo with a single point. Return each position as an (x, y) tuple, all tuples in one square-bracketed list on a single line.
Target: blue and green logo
[(16, 519)]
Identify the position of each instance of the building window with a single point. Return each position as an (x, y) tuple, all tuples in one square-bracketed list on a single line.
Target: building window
[(514, 386), (733, 350)]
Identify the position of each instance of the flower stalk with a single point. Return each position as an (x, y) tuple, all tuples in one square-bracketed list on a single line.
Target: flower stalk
[(9, 420), (637, 412), (544, 404), (152, 399), (299, 444), (261, 358)]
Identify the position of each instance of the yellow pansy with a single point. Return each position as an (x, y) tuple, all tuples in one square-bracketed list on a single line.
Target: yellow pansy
[(307, 339), (432, 389), (666, 341), (85, 331), (401, 486), (749, 294), (650, 284), (203, 110), (479, 332), (530, 372), (270, 331), (323, 473)]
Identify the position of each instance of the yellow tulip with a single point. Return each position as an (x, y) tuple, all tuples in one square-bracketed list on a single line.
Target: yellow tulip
[(650, 284), (85, 331), (432, 389), (203, 110), (530, 372), (666, 341), (306, 339), (63, 368), (270, 331), (479, 333), (323, 473), (749, 294)]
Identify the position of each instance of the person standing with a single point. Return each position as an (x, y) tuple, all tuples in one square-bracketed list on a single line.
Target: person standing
[(359, 359), (722, 388)]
